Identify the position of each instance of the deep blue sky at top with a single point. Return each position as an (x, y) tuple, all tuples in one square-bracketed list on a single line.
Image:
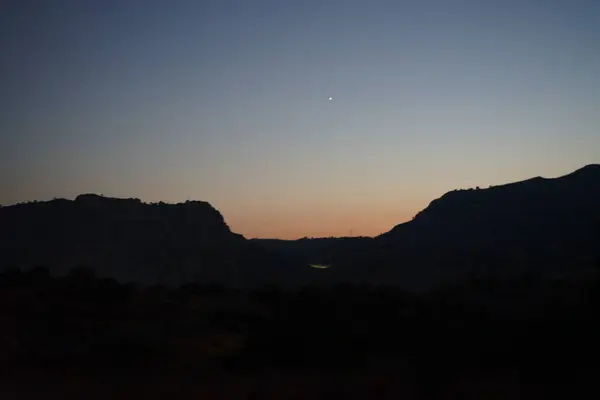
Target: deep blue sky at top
[(227, 101)]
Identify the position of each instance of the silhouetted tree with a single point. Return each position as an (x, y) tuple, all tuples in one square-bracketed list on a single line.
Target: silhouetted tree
[(38, 276), (12, 276), (81, 274)]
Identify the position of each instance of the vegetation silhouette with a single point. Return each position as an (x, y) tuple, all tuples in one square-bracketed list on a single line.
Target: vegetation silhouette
[(488, 292), (542, 331)]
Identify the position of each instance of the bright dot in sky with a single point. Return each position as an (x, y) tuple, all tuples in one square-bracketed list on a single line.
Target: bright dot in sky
[(331, 98)]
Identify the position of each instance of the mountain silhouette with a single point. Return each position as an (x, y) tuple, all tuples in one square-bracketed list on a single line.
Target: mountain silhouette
[(537, 225), (129, 240), (536, 210)]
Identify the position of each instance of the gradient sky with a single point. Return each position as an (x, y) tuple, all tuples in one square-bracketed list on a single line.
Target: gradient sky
[(227, 101)]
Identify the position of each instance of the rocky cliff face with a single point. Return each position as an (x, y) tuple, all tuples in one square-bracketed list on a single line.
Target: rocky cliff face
[(134, 241)]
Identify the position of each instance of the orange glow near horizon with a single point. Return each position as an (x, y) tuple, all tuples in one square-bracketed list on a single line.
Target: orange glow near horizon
[(230, 105), (341, 206), (298, 225)]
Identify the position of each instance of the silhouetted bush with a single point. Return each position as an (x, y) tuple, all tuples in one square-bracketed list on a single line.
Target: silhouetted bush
[(541, 328)]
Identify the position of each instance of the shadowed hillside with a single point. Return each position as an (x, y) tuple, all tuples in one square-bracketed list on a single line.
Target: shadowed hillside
[(133, 241), (541, 212), (513, 314), (539, 225), (549, 226)]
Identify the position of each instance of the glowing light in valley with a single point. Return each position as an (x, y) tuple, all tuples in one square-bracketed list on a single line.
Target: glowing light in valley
[(319, 266)]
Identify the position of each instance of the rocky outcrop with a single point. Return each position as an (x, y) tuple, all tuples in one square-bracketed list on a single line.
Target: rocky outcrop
[(133, 241)]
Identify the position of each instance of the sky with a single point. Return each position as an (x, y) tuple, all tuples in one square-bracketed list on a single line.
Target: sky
[(228, 102)]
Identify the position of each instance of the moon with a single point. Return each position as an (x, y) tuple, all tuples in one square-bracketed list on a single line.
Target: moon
[(331, 98)]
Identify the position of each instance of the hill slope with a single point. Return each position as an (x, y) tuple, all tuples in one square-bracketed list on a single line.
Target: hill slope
[(536, 225), (130, 240), (539, 224), (539, 212)]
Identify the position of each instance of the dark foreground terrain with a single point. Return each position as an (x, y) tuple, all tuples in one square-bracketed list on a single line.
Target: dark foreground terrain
[(486, 294), (79, 336)]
